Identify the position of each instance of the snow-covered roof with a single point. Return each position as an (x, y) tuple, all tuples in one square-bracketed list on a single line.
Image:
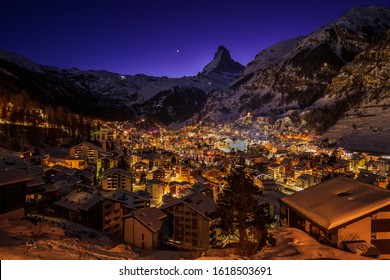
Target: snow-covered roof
[(152, 218), (79, 201), (197, 202), (13, 176), (335, 202)]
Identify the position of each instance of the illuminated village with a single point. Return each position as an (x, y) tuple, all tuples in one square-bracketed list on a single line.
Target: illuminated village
[(154, 188)]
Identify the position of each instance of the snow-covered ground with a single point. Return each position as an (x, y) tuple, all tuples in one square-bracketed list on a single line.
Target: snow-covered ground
[(22, 240), (291, 244), (294, 244)]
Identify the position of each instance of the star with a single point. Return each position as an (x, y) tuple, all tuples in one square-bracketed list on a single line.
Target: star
[(177, 51)]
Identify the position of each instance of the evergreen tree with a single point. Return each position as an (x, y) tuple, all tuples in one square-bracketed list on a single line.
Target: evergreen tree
[(238, 213)]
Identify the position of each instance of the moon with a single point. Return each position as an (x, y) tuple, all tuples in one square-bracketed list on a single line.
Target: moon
[(177, 51)]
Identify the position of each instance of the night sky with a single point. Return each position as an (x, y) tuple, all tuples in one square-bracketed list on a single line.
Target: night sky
[(163, 38)]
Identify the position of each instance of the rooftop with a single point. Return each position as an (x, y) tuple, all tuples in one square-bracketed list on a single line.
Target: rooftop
[(340, 200), (197, 202), (79, 201), (13, 176), (150, 217)]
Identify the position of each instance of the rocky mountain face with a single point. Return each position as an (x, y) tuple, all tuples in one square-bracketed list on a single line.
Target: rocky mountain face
[(356, 106), (111, 95), (222, 68), (295, 73)]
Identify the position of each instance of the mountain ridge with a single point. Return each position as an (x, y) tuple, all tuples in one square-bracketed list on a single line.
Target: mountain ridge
[(108, 91)]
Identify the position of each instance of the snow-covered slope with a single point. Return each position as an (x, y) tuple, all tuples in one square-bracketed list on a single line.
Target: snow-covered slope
[(22, 240), (294, 244), (295, 73)]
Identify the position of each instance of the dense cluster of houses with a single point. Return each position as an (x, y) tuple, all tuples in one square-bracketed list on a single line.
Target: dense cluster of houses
[(154, 188)]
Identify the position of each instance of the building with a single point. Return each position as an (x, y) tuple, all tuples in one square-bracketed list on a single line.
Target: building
[(86, 151), (189, 224), (140, 167), (143, 228), (112, 218), (13, 193), (130, 201), (274, 171), (306, 180), (116, 178), (211, 173), (341, 210), (176, 188), (75, 163), (82, 207), (157, 189), (105, 163), (159, 174), (184, 171)]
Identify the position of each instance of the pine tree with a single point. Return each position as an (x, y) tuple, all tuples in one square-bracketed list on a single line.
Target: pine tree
[(238, 211)]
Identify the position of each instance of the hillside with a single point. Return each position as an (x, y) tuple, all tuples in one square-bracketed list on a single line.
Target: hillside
[(359, 100)]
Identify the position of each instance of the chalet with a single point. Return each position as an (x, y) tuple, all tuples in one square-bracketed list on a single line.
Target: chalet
[(340, 210), (158, 174), (211, 173), (116, 178), (13, 193), (189, 224), (83, 208), (185, 171), (140, 167), (135, 158), (167, 165), (176, 188), (143, 228), (86, 151)]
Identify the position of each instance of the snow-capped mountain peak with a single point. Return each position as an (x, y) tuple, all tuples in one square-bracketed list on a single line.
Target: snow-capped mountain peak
[(223, 62)]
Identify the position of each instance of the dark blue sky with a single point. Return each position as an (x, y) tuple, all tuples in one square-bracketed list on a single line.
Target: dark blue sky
[(168, 37)]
